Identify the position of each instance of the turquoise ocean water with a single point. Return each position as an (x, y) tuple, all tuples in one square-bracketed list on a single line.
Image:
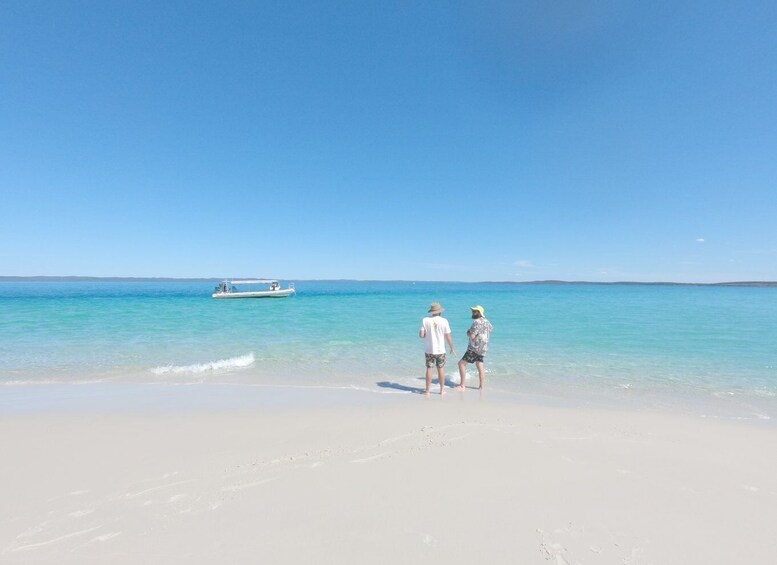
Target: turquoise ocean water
[(701, 349)]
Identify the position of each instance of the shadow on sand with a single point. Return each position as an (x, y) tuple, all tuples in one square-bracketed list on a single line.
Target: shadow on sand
[(413, 389), (404, 388)]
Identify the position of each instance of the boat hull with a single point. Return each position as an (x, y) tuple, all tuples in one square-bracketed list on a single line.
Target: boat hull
[(280, 293)]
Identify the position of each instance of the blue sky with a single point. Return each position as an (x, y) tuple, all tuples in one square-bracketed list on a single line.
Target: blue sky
[(466, 141)]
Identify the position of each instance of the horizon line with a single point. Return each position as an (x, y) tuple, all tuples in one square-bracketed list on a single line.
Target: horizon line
[(87, 278)]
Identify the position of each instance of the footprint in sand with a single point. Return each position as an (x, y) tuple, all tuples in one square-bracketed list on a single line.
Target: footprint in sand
[(160, 487), (55, 540), (74, 493), (429, 540), (79, 513), (373, 458), (105, 537), (552, 551), (235, 488)]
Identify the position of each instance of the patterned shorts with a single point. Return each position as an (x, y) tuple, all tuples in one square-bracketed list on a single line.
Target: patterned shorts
[(435, 359), (471, 357)]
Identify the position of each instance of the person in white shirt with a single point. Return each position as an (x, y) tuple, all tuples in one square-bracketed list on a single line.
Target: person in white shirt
[(435, 331)]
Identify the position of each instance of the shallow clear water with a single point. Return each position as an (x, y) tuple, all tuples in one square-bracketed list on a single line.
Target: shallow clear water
[(710, 347)]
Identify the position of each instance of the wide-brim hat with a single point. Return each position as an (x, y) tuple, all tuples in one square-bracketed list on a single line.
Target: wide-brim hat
[(436, 308), (479, 309)]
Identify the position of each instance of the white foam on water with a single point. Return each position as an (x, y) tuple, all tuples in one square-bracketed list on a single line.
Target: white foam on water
[(220, 365)]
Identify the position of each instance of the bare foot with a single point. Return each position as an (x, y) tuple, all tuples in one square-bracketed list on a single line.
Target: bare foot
[(442, 391), (461, 387), (426, 393)]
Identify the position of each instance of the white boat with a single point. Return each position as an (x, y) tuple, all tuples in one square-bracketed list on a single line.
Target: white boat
[(230, 289)]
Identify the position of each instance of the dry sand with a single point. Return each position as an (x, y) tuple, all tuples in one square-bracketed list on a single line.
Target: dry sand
[(405, 480)]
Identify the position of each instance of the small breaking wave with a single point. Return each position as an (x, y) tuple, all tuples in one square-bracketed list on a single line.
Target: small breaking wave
[(220, 365)]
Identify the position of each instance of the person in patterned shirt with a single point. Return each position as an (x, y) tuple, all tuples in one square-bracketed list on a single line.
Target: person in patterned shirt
[(478, 333)]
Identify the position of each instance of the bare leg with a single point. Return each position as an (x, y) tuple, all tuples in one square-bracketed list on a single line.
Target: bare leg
[(462, 374), (481, 373), (441, 377), (428, 380)]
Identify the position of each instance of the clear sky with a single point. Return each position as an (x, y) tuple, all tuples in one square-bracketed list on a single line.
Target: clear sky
[(482, 140)]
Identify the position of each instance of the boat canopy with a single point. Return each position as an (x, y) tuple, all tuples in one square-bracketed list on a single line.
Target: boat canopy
[(253, 281)]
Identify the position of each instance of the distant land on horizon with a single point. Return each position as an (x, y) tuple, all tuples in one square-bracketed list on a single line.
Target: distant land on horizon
[(43, 278)]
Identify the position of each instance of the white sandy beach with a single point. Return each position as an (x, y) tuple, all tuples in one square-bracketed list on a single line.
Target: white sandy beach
[(403, 480)]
